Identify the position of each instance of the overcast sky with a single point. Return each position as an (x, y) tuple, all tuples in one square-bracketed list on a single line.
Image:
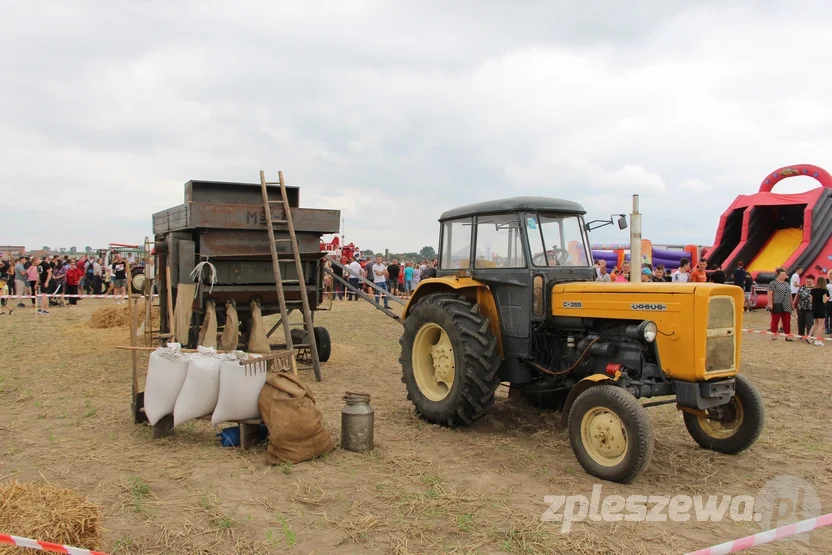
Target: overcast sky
[(393, 112)]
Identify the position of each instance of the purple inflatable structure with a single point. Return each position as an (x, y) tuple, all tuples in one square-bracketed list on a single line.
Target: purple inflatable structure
[(668, 258)]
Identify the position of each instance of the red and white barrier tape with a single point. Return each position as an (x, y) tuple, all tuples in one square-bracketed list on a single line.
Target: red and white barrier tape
[(45, 546), (766, 537), (371, 294), (53, 296), (792, 335)]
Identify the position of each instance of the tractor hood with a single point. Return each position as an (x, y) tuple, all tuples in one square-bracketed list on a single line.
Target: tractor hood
[(633, 288), (697, 322)]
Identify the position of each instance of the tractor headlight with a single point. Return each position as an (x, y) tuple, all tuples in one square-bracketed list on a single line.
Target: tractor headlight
[(648, 331), (645, 331)]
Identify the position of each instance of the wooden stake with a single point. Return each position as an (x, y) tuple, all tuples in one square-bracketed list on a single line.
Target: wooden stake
[(133, 338), (148, 309), (169, 302)]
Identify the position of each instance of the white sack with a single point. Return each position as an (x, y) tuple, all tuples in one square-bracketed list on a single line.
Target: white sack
[(239, 390), (199, 393), (166, 372)]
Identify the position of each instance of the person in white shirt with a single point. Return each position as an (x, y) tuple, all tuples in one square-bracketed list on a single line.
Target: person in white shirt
[(601, 272), (354, 273), (681, 275), (794, 282), (380, 280)]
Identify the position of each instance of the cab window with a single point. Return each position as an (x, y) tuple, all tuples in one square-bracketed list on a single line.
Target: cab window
[(499, 242), (557, 240), (456, 244)]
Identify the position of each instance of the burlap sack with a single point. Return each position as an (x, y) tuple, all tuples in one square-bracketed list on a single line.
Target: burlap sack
[(231, 331), (183, 312), (258, 342), (295, 431), (208, 331)]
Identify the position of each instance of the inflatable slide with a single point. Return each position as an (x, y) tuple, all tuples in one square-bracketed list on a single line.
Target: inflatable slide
[(768, 230)]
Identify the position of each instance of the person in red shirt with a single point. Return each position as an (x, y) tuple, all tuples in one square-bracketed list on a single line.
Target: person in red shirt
[(699, 275), (73, 279)]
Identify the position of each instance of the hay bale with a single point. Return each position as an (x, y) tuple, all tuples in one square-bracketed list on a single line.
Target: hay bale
[(110, 317), (117, 316), (44, 512)]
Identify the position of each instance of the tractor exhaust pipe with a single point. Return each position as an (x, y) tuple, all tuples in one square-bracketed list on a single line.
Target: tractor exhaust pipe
[(636, 260)]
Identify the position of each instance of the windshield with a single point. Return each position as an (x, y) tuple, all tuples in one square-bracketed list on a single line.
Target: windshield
[(557, 240)]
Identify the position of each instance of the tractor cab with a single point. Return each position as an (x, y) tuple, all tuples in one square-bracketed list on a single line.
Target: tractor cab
[(520, 247), (528, 235)]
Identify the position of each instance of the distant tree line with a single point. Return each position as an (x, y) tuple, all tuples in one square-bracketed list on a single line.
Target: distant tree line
[(427, 253)]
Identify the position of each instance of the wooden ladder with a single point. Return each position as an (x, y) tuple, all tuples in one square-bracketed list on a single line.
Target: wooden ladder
[(312, 344)]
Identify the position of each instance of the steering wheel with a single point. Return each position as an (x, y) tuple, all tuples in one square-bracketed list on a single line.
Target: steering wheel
[(560, 256), (556, 255)]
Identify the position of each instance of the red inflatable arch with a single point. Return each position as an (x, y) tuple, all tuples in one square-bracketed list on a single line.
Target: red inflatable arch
[(768, 230), (808, 170)]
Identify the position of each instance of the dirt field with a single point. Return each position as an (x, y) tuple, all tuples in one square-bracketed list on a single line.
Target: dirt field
[(65, 417)]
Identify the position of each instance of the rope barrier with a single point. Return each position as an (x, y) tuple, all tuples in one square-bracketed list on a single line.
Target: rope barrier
[(792, 335), (45, 546), (345, 293), (59, 296), (766, 537)]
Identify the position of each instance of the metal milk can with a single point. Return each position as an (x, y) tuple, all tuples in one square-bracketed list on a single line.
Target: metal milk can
[(357, 422)]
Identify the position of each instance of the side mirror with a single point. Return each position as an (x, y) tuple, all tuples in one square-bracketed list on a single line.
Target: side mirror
[(622, 222)]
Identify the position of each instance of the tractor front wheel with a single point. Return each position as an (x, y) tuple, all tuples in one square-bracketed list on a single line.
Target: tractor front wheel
[(739, 425), (449, 360), (610, 433)]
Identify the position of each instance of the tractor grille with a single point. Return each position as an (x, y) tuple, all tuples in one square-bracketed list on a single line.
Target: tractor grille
[(720, 343)]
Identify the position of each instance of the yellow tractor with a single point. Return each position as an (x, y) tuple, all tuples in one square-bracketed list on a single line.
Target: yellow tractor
[(515, 300)]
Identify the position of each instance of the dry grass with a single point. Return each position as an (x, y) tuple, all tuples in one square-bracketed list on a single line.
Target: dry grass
[(64, 413), (45, 512)]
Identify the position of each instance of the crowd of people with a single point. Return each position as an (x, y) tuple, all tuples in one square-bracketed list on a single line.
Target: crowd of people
[(808, 295), (398, 279), (685, 273), (54, 280)]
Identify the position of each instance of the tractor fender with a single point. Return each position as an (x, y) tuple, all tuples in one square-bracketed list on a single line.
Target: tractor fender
[(475, 290), (580, 387)]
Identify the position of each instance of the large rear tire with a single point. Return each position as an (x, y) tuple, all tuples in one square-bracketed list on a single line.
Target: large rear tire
[(610, 433), (449, 360), (740, 426)]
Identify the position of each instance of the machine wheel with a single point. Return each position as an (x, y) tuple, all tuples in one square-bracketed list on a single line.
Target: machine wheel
[(137, 280), (449, 360), (322, 340), (610, 433), (740, 427), (324, 343)]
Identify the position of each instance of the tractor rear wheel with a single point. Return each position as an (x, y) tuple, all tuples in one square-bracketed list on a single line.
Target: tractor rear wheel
[(740, 426), (449, 360), (610, 433)]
